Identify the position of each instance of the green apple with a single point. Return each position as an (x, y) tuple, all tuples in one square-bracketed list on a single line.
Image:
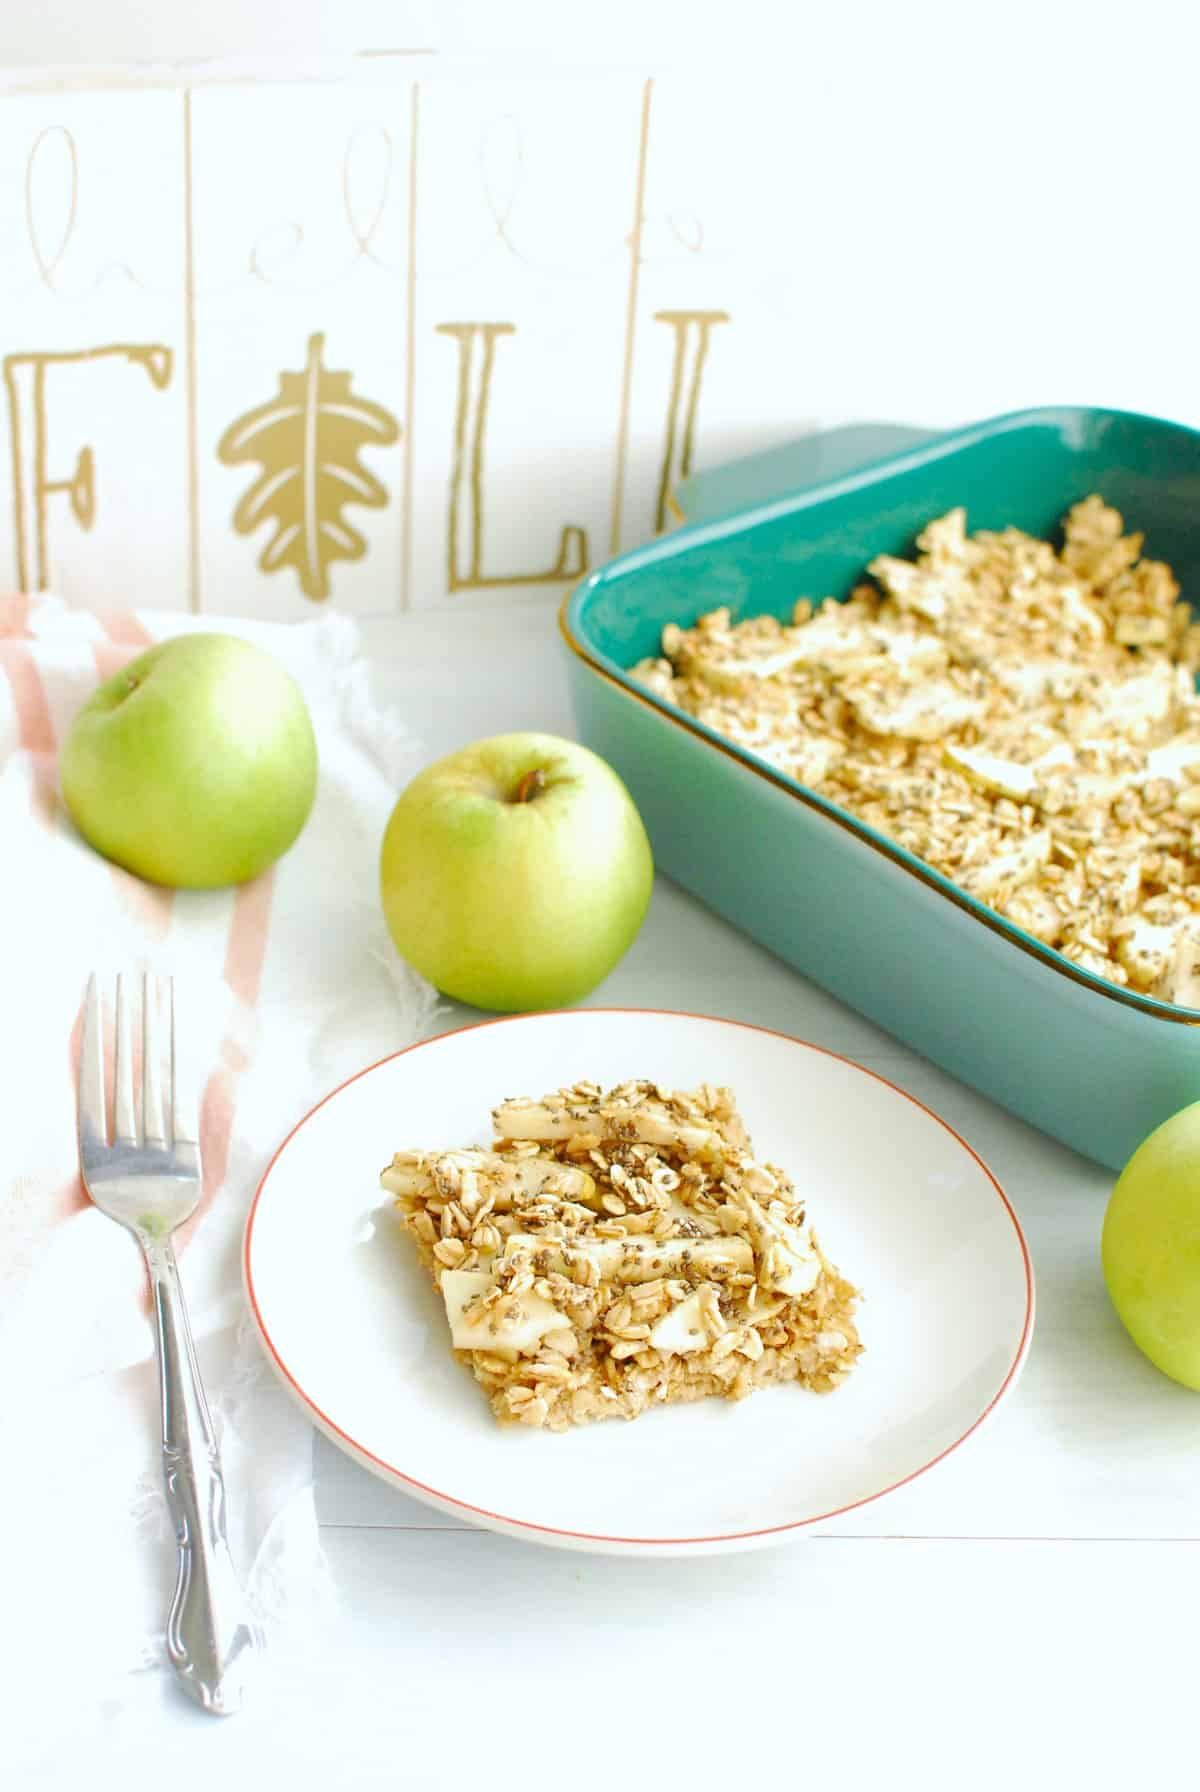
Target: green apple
[(516, 872), (195, 765), (1150, 1247)]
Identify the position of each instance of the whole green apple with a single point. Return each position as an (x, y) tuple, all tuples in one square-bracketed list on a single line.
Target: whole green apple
[(1150, 1247), (516, 872), (195, 765)]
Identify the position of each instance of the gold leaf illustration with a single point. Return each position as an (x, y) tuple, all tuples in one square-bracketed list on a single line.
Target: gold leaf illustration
[(308, 441)]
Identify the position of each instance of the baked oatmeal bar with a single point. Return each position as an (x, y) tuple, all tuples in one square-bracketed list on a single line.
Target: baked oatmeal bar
[(1022, 718), (616, 1250)]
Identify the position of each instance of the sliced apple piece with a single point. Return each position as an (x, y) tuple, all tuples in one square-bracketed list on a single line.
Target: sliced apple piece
[(681, 1330), (477, 1174), (925, 711), (647, 1122), (1173, 759), (1054, 758), (1031, 681), (459, 1288), (516, 1330), (407, 1178), (533, 1176), (1145, 950), (788, 1258), (1008, 870), (915, 588), (635, 1259), (794, 1267), (1003, 776), (1136, 703)]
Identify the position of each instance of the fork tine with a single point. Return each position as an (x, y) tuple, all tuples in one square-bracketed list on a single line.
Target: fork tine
[(185, 1123), (153, 1129), (93, 1123), (124, 1114)]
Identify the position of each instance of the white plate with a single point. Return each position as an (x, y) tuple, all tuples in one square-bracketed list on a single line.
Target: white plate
[(900, 1203)]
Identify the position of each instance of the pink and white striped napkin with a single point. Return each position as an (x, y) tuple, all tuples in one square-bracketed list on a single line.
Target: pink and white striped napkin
[(286, 986)]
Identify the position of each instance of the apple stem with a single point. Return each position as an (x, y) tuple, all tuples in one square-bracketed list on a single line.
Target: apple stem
[(530, 784)]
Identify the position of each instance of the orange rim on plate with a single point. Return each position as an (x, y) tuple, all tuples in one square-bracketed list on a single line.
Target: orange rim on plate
[(390, 1472)]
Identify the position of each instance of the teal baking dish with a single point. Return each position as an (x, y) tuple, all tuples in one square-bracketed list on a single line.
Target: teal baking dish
[(1094, 1065)]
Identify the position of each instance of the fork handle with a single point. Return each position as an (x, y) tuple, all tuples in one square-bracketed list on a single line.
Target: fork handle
[(211, 1634)]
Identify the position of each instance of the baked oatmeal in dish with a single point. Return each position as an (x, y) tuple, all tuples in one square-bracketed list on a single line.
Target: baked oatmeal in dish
[(1021, 717), (614, 1250)]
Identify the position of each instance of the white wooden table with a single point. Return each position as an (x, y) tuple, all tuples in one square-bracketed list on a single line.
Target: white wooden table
[(1023, 1612)]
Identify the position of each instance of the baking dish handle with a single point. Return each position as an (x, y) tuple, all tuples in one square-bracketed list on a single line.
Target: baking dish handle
[(790, 468)]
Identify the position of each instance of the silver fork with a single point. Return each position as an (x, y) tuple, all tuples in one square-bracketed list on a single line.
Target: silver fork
[(148, 1180)]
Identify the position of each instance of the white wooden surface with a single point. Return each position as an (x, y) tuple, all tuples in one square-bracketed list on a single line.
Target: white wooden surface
[(1023, 1612)]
